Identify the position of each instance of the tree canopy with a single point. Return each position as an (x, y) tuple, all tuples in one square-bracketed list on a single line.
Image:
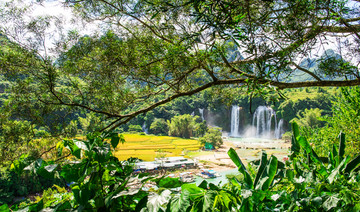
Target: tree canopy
[(137, 55)]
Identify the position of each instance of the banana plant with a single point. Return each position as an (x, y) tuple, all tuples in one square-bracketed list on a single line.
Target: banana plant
[(99, 179), (322, 184), (329, 168), (255, 190)]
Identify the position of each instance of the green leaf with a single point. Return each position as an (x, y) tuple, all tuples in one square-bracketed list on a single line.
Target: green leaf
[(206, 203), (4, 208), (157, 200), (336, 172), (203, 184), (261, 169), (236, 159), (170, 182), (331, 203), (352, 164), (295, 146), (38, 206), (269, 175), (66, 206), (142, 203), (191, 191), (341, 146), (304, 144), (295, 129), (51, 167), (115, 139), (74, 149)]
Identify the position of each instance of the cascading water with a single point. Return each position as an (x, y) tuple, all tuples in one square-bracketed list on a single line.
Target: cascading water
[(235, 120), (201, 111), (262, 121), (145, 130), (279, 129)]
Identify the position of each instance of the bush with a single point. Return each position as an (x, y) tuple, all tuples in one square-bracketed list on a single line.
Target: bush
[(182, 126), (159, 127), (212, 136), (135, 128)]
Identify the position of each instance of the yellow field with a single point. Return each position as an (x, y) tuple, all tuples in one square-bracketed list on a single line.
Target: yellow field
[(146, 147)]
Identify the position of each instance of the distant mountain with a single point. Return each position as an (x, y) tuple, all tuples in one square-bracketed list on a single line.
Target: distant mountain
[(312, 64)]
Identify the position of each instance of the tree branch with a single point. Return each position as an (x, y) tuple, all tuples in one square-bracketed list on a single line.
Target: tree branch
[(306, 71)]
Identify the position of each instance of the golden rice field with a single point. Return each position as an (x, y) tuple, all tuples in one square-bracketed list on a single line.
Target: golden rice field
[(146, 147)]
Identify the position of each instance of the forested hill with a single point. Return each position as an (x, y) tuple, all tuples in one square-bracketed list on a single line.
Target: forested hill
[(325, 66)]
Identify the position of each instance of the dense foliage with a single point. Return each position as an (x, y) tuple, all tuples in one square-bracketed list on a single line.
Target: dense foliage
[(302, 182), (151, 64)]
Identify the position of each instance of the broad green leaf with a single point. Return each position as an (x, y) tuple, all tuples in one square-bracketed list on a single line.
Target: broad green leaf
[(304, 144), (170, 182), (37, 206), (51, 167), (4, 208), (206, 202), (178, 203), (81, 145), (336, 172), (331, 203), (236, 159), (290, 174), (334, 151), (115, 139), (142, 203), (156, 201), (268, 176), (76, 191), (59, 148), (75, 150), (203, 184), (191, 191), (262, 166), (341, 146), (295, 129), (352, 164), (295, 146), (66, 206)]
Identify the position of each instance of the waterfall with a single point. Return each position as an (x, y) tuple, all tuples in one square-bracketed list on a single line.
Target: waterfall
[(193, 113), (145, 130), (262, 121), (279, 129), (235, 119), (201, 111)]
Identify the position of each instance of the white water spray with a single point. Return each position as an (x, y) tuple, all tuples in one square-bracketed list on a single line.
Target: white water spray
[(145, 130), (279, 130), (235, 120), (201, 111), (264, 120)]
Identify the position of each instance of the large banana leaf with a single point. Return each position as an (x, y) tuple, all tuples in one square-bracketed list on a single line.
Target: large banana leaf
[(236, 159)]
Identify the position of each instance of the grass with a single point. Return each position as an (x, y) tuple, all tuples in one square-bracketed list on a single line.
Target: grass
[(146, 147)]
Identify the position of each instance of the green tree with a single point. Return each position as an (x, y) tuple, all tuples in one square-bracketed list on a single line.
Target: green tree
[(182, 125), (159, 127), (135, 128), (129, 68), (200, 129), (309, 118), (15, 137), (212, 136)]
